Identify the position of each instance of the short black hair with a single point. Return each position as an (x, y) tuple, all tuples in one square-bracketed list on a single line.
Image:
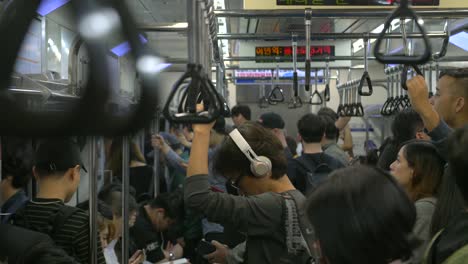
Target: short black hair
[(331, 131), (243, 110), (262, 141), (292, 145), (172, 203), (327, 111), (17, 170), (458, 159), (311, 128), (405, 125), (361, 215), (114, 202)]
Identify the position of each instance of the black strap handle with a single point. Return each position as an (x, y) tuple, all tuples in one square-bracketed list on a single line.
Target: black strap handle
[(404, 75), (295, 102), (365, 79), (327, 93), (403, 11), (443, 49), (263, 102), (295, 84), (307, 75), (359, 110), (314, 95), (276, 95), (199, 89)]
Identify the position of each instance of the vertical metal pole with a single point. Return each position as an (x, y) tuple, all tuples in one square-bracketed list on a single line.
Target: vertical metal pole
[(44, 45), (156, 170), (125, 194), (92, 200), (192, 31)]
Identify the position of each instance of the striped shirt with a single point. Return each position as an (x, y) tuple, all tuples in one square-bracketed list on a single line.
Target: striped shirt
[(72, 237)]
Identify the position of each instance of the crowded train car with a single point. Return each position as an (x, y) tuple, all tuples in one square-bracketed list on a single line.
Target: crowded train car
[(240, 131)]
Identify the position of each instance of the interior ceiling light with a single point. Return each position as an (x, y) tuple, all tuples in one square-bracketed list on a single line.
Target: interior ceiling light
[(48, 6), (460, 40)]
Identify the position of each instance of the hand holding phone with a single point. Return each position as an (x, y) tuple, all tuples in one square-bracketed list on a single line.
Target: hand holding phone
[(205, 248)]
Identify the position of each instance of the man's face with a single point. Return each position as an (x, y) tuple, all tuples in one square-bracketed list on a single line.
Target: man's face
[(161, 222), (445, 100), (238, 120)]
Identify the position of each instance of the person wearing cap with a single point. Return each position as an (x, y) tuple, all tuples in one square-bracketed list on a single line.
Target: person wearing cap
[(275, 123), (57, 170)]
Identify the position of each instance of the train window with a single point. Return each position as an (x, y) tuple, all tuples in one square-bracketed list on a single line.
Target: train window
[(29, 59)]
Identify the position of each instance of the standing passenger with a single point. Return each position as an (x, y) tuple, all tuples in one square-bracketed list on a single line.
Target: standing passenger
[(15, 178), (329, 142), (57, 172), (419, 169), (261, 214), (240, 114), (313, 166)]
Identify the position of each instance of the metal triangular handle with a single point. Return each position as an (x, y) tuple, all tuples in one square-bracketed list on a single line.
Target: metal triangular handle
[(314, 95), (365, 79)]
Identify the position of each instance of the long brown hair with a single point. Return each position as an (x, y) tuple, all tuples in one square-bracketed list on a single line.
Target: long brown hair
[(428, 169), (114, 161)]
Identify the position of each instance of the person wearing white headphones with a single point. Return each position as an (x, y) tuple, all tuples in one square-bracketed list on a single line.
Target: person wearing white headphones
[(252, 159)]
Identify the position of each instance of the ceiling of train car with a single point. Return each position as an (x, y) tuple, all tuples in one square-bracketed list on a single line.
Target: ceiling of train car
[(174, 44)]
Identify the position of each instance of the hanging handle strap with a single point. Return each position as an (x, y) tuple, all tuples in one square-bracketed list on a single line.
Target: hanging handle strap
[(403, 11), (316, 98), (404, 75)]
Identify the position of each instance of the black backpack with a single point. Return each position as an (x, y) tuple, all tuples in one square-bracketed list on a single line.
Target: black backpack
[(55, 224), (316, 173)]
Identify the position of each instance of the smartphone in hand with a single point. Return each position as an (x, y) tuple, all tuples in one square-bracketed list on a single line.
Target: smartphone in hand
[(205, 248)]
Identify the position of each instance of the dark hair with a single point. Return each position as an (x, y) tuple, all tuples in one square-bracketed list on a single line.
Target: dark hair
[(172, 203), (114, 201), (458, 159), (331, 131), (43, 253), (327, 111), (243, 110), (311, 128), (292, 145), (361, 215), (106, 190), (428, 166), (405, 125), (262, 141), (449, 203), (16, 169)]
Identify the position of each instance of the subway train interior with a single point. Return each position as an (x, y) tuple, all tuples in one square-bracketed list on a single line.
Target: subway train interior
[(234, 131)]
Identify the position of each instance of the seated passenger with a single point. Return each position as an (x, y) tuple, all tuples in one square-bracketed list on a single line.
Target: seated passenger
[(15, 178), (57, 172), (361, 216), (261, 215), (450, 245), (419, 169), (313, 167), (153, 219), (112, 252)]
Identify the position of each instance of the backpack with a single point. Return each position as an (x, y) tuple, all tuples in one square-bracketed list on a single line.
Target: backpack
[(458, 257), (315, 175), (294, 201), (55, 223)]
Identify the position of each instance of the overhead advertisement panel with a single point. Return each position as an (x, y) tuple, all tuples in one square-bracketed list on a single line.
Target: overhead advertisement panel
[(353, 2)]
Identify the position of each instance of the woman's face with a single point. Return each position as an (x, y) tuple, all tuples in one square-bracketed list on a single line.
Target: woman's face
[(401, 170), (132, 220)]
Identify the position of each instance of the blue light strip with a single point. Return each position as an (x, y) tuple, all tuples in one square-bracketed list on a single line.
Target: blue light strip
[(123, 48), (460, 40), (48, 6)]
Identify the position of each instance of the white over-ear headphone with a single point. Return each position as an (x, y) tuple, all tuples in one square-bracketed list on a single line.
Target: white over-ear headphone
[(259, 165)]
